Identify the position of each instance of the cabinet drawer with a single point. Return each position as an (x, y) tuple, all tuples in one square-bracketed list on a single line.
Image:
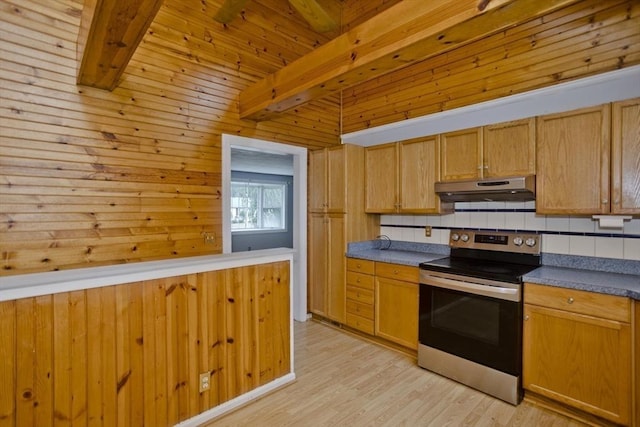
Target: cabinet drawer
[(582, 302), (360, 280), (360, 295), (360, 265), (360, 323), (398, 272), (360, 309)]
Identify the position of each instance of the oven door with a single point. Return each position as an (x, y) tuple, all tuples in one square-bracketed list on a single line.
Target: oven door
[(472, 319)]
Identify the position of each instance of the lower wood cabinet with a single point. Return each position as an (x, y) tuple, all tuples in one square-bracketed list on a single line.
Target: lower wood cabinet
[(382, 300), (360, 295), (577, 350)]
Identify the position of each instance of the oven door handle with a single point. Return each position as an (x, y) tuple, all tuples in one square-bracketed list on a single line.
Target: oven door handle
[(509, 294)]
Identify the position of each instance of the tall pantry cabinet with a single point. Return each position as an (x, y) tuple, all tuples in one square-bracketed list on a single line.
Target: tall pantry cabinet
[(336, 217)]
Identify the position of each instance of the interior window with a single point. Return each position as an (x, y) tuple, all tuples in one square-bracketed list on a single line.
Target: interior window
[(257, 206)]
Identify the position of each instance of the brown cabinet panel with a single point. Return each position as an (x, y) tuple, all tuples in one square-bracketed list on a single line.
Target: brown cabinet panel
[(365, 296), (336, 276), (625, 157), (397, 311), (509, 149), (573, 162), (461, 154), (317, 265), (360, 323), (398, 272), (336, 191), (361, 265), (579, 360), (381, 193), (317, 180), (418, 171), (360, 280)]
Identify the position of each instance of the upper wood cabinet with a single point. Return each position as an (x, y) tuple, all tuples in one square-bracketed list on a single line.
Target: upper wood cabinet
[(625, 157), (400, 177), (499, 150), (573, 150), (329, 171), (509, 149), (461, 154)]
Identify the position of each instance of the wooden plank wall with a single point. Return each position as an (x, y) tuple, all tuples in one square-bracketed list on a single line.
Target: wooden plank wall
[(131, 355), (590, 37), (90, 177)]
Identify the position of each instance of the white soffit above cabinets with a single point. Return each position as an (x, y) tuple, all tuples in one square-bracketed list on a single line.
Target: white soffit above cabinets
[(602, 88)]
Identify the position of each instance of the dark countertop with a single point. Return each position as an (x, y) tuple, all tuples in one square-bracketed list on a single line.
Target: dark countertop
[(582, 273), (626, 285)]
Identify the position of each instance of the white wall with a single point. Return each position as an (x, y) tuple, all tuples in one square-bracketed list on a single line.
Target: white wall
[(569, 235)]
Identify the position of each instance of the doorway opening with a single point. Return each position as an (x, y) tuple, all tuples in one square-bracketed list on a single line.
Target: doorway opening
[(235, 147)]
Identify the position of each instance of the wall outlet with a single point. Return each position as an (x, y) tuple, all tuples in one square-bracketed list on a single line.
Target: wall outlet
[(209, 237), (427, 231), (204, 381)]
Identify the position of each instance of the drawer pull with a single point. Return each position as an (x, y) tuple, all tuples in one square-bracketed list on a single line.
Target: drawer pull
[(395, 271), (357, 280), (570, 300)]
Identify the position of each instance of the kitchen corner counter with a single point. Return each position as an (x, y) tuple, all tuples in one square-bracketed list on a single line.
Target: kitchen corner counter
[(396, 252), (626, 285)]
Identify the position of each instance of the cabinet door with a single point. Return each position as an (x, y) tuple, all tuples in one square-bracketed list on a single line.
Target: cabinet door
[(336, 280), (509, 149), (572, 174), (579, 360), (397, 311), (336, 191), (419, 169), (625, 153), (317, 265), (380, 179), (461, 154), (317, 186)]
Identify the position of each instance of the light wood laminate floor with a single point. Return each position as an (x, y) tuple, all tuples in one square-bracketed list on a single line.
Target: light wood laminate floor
[(343, 380)]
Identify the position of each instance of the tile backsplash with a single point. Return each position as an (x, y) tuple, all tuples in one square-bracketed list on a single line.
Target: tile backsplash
[(568, 235)]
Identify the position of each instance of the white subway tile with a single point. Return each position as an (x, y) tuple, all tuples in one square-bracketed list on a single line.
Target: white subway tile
[(495, 220), (556, 244), (581, 224), (407, 220), (448, 220), (433, 220), (461, 219), (609, 247), (582, 245), (514, 220), (557, 223), (632, 249), (385, 219), (420, 220), (532, 221), (632, 226), (478, 219), (531, 204), (407, 234), (463, 205), (496, 205), (444, 237), (387, 231)]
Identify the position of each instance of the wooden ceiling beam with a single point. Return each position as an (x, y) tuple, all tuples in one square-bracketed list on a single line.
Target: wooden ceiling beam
[(407, 32), (110, 31)]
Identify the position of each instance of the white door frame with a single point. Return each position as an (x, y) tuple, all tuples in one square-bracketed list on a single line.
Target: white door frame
[(299, 281)]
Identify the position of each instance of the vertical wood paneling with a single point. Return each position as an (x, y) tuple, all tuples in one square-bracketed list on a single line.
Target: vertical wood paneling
[(61, 361), (131, 355), (8, 366), (44, 367)]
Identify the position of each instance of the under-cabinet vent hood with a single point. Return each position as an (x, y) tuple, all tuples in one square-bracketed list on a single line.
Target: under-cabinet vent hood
[(518, 188)]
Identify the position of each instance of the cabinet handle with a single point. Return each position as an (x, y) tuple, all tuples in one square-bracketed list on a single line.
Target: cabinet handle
[(570, 300), (526, 317), (605, 201), (486, 167), (357, 280), (395, 271)]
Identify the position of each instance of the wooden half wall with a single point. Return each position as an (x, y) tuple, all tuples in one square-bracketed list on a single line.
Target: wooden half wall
[(131, 354)]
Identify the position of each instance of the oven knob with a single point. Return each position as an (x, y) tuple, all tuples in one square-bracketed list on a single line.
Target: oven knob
[(464, 237), (518, 241), (531, 242), (455, 237)]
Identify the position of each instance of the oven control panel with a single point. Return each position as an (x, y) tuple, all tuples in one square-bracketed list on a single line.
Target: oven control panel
[(505, 241)]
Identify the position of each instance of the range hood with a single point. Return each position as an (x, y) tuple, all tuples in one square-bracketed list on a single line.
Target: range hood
[(517, 188)]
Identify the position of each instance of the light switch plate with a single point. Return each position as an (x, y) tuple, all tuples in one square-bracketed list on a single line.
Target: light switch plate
[(427, 231)]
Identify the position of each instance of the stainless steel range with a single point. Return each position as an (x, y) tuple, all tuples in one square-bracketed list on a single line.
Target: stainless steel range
[(470, 324)]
